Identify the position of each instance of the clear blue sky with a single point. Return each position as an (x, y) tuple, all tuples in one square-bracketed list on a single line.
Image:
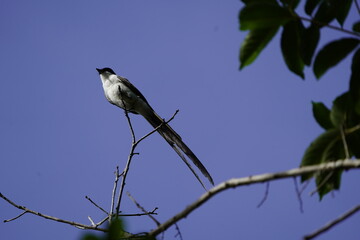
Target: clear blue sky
[(61, 140)]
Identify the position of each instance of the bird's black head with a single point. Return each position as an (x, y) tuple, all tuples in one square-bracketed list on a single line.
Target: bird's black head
[(102, 70)]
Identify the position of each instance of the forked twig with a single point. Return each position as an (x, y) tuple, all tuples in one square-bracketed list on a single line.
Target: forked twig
[(143, 209), (132, 153), (26, 210)]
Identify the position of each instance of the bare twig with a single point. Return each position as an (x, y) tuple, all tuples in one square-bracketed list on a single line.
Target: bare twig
[(304, 186), (117, 176), (298, 194), (92, 222), (357, 6), (353, 129), (178, 232), (75, 224), (132, 153), (266, 194), (321, 24), (332, 223), (88, 198), (237, 182), (232, 183), (102, 221), (14, 218), (152, 212), (143, 209)]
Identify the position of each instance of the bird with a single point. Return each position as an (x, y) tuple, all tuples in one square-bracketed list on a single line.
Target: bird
[(120, 92)]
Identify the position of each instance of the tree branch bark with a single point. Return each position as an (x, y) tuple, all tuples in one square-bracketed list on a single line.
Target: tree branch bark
[(333, 223), (237, 182)]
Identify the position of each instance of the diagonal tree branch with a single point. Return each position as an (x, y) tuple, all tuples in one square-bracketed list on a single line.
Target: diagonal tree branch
[(237, 182), (26, 210), (332, 223), (232, 183)]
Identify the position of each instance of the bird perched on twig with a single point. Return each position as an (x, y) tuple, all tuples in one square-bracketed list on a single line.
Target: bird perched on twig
[(120, 92)]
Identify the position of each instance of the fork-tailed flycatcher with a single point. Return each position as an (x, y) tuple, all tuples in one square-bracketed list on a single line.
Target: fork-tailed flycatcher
[(120, 92)]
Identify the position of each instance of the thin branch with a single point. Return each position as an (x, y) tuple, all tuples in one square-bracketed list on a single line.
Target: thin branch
[(92, 221), (14, 218), (266, 194), (357, 6), (132, 153), (178, 231), (75, 224), (157, 128), (237, 182), (343, 138), (143, 209), (304, 186), (321, 24), (298, 194), (102, 221), (152, 212), (117, 176), (88, 198), (332, 223), (127, 166), (353, 129)]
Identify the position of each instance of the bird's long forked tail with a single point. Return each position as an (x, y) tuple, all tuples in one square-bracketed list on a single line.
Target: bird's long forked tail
[(178, 145)]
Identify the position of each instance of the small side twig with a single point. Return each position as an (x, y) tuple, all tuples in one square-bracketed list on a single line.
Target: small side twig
[(92, 221), (14, 218), (298, 194), (266, 194), (117, 176), (320, 24), (88, 198), (178, 232), (332, 223), (143, 209)]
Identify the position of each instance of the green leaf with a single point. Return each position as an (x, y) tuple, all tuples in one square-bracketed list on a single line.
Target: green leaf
[(309, 42), (263, 15), (291, 47), (332, 54), (326, 12), (320, 150), (339, 110), (290, 3), (353, 142), (342, 10), (322, 115), (355, 81), (89, 236), (327, 182), (356, 27), (116, 230), (310, 5), (254, 43)]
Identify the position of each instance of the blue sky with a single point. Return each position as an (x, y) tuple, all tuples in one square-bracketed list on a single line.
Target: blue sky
[(61, 140)]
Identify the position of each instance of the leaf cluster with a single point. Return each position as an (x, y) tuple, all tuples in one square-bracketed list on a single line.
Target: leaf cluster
[(263, 19)]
